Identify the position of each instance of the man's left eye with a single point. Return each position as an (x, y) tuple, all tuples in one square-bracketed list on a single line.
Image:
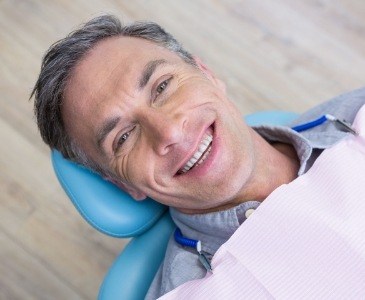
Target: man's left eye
[(163, 85)]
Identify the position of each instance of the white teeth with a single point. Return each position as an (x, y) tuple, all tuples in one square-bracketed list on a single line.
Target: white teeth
[(206, 142), (197, 157), (189, 164), (197, 154), (202, 147), (193, 160)]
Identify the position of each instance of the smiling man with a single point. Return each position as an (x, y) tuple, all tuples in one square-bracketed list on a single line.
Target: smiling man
[(164, 128), (130, 103)]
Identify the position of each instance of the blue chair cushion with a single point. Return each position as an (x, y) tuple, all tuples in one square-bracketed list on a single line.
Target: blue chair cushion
[(102, 204), (132, 272)]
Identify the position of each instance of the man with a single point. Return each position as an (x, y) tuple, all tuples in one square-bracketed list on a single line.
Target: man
[(130, 103)]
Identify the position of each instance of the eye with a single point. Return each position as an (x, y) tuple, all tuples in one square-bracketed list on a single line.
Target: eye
[(162, 86), (122, 139)]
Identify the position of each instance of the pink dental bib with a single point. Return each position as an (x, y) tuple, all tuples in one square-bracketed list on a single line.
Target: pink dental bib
[(305, 241)]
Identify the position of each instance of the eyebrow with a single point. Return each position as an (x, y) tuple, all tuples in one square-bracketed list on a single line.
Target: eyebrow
[(148, 70), (105, 129)]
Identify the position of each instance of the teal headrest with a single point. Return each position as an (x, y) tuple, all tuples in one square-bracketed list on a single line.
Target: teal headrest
[(106, 207)]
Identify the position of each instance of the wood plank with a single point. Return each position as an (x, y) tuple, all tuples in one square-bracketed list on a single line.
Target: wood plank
[(51, 231), (25, 277)]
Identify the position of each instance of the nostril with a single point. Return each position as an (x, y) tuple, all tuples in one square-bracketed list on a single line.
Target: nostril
[(163, 150)]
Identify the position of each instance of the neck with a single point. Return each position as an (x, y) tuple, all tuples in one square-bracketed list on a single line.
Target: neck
[(277, 164)]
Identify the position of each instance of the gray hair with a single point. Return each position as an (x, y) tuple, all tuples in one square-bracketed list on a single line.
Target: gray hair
[(59, 62)]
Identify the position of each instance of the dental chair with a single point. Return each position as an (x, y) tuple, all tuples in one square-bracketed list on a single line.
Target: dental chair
[(113, 212)]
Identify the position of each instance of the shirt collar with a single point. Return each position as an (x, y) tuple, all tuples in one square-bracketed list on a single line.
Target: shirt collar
[(284, 134), (212, 229)]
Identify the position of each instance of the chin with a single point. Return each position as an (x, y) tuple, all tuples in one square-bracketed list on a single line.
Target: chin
[(235, 187)]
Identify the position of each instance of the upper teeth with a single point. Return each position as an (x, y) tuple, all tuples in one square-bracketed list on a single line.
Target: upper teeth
[(202, 149)]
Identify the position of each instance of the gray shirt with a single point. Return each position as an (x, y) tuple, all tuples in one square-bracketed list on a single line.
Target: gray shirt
[(181, 264)]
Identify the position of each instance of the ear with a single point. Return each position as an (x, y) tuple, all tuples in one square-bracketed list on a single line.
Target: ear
[(134, 192), (209, 74)]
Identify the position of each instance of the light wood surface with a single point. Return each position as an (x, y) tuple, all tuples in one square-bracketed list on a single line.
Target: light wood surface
[(273, 54)]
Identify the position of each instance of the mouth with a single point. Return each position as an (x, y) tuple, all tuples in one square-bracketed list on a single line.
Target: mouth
[(201, 153)]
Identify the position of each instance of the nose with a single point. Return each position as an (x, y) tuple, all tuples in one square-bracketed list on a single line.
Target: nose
[(164, 129)]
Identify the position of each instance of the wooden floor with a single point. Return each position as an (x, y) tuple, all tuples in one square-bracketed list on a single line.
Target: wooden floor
[(273, 54)]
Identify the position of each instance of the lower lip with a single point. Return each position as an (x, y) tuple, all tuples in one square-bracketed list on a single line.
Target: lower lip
[(204, 167)]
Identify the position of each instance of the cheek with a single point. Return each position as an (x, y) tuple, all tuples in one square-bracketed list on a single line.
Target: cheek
[(233, 111), (138, 166), (242, 157), (118, 167)]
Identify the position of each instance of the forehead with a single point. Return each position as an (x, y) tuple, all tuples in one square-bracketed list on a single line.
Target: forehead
[(112, 65), (126, 55)]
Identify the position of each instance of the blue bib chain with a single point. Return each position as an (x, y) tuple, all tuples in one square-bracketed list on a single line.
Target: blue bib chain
[(196, 244), (340, 124), (180, 239)]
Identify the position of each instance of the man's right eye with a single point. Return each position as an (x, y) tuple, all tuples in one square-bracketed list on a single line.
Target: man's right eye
[(122, 139)]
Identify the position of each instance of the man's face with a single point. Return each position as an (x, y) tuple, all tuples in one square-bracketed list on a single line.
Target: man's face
[(143, 113)]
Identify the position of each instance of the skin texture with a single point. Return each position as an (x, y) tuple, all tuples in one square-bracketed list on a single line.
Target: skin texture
[(158, 128)]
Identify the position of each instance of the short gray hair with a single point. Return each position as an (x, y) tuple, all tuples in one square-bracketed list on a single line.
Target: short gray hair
[(59, 62)]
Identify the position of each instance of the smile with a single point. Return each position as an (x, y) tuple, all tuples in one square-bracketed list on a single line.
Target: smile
[(200, 154)]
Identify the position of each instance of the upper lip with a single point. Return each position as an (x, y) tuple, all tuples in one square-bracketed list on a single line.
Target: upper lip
[(193, 149)]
